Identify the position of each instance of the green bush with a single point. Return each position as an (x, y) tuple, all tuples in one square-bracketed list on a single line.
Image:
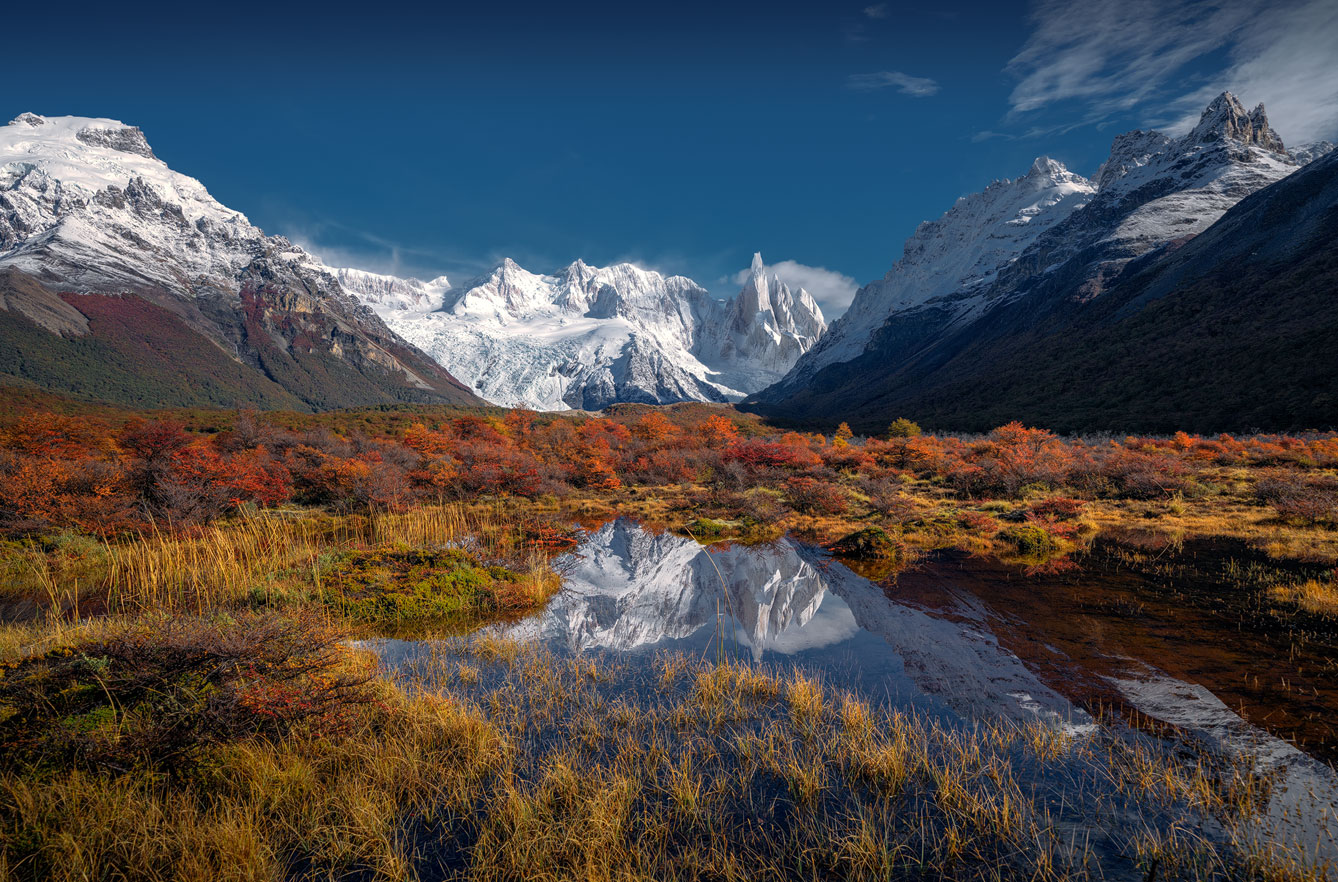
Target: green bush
[(903, 428)]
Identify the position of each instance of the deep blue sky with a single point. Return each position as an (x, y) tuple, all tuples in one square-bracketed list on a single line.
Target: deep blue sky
[(683, 136)]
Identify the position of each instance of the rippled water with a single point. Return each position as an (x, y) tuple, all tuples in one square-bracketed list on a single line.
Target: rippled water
[(966, 639)]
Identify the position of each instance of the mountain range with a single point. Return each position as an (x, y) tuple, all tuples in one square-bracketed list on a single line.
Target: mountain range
[(125, 280), (1188, 283), (1080, 304), (587, 337)]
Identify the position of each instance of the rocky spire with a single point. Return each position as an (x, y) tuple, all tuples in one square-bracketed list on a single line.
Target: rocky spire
[(755, 298), (1226, 118)]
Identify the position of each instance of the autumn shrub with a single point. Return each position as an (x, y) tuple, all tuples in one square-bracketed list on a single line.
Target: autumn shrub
[(665, 467), (1057, 508), (1011, 458), (903, 428), (720, 500), (758, 453), (196, 484), (347, 484), (811, 496), (501, 470), (1129, 472), (157, 693), (977, 522), (847, 457), (1298, 497), (889, 498)]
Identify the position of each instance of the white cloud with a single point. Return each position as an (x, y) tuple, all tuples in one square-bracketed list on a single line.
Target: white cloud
[(917, 87), (1167, 58), (878, 10), (832, 290)]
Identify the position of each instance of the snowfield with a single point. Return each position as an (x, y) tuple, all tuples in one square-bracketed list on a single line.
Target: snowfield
[(587, 337)]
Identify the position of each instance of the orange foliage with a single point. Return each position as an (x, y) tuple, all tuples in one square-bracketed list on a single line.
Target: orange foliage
[(106, 475)]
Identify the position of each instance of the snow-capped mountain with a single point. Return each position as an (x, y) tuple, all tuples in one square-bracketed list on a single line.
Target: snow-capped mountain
[(1307, 153), (392, 292), (587, 337), (961, 252), (1050, 236), (764, 331), (86, 208)]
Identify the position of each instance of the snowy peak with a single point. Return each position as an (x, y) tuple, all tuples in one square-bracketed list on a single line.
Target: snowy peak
[(1046, 173), (767, 328), (1129, 151), (508, 293), (960, 252), (587, 336), (1308, 153), (755, 298), (86, 207), (1227, 118), (75, 190), (769, 302), (383, 291)]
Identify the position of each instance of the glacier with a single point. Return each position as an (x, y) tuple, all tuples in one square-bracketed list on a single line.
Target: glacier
[(587, 337)]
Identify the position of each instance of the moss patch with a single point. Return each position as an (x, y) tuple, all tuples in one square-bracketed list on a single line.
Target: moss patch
[(399, 584), (1031, 539)]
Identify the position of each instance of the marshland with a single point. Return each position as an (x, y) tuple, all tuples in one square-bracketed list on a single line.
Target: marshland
[(659, 643)]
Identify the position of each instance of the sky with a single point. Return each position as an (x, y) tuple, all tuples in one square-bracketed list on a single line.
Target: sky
[(682, 136)]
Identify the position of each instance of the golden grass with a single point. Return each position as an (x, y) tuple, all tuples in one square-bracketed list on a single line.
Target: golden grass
[(525, 768), (269, 557), (193, 573), (1312, 595)]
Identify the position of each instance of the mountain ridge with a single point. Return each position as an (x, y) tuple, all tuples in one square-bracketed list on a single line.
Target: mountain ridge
[(1152, 194), (86, 208), (585, 337), (1230, 329)]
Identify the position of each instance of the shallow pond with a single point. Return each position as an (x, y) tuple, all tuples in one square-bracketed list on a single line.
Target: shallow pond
[(967, 640)]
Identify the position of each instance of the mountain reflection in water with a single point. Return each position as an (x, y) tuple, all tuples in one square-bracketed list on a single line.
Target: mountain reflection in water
[(630, 590), (966, 640)]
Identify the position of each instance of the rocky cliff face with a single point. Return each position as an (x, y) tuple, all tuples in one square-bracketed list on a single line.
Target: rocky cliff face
[(86, 207)]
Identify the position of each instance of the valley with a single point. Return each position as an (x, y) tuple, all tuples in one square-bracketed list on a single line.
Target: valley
[(1023, 566)]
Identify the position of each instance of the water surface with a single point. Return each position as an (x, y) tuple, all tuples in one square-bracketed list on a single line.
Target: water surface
[(966, 639)]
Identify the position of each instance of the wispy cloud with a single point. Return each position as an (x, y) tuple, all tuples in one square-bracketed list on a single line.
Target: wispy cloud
[(917, 87), (1165, 59), (340, 245), (877, 11), (833, 290)]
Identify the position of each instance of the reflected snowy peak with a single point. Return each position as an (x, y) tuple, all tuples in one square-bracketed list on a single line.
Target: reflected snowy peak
[(629, 588)]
